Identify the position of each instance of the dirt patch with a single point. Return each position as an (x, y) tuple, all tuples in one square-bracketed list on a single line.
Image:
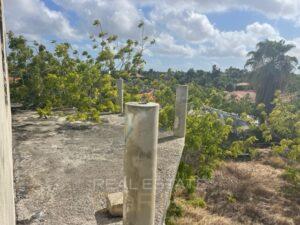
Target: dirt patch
[(198, 216), (244, 193)]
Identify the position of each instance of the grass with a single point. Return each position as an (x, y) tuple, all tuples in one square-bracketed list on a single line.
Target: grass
[(197, 202), (276, 162), (242, 193)]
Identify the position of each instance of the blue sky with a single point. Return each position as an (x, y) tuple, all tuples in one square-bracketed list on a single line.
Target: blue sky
[(188, 33)]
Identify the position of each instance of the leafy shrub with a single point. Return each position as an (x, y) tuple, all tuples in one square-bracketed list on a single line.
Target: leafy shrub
[(165, 96), (285, 125), (186, 177), (174, 210), (45, 112), (166, 117), (67, 78), (205, 134), (283, 119), (231, 198), (243, 146), (197, 202), (292, 175)]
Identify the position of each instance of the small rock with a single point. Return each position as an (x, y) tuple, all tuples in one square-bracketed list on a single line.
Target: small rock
[(61, 119), (105, 120), (38, 215), (115, 204), (24, 214)]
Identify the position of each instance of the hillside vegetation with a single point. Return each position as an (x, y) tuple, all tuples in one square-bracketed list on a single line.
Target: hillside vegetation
[(212, 185)]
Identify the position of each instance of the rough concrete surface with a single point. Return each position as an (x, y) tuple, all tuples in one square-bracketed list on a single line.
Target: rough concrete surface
[(140, 163), (7, 207), (63, 171)]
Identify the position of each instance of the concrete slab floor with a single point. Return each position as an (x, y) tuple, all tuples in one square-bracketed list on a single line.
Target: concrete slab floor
[(63, 170)]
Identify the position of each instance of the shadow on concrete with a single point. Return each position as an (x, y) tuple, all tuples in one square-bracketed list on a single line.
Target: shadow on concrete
[(103, 218), (166, 139)]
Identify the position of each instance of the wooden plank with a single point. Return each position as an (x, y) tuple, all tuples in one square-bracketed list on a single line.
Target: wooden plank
[(7, 206)]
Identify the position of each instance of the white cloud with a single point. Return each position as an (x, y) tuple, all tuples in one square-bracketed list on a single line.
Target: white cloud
[(295, 51), (166, 45), (34, 20), (238, 43), (180, 27), (274, 9), (189, 25), (261, 30), (117, 16), (194, 28)]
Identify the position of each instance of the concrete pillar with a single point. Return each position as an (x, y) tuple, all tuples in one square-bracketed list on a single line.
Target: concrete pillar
[(180, 110), (140, 163), (7, 206), (120, 94)]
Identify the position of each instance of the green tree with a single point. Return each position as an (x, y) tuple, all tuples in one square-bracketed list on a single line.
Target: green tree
[(283, 119), (205, 135), (271, 66), (65, 77)]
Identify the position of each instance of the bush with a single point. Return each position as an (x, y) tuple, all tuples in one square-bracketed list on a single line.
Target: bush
[(166, 117), (186, 178), (197, 202), (285, 125), (174, 210), (283, 119), (243, 146), (292, 175), (205, 134), (67, 78), (45, 112)]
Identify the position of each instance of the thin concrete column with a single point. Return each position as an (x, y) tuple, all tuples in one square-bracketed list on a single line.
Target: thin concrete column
[(120, 94), (7, 206), (180, 110), (140, 163)]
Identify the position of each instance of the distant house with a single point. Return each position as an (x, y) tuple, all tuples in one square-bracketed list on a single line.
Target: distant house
[(244, 86), (243, 90), (242, 94)]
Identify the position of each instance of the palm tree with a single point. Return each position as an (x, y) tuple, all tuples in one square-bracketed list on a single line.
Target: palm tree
[(271, 68)]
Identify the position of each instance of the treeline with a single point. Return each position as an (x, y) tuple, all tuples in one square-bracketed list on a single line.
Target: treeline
[(215, 78), (223, 80)]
